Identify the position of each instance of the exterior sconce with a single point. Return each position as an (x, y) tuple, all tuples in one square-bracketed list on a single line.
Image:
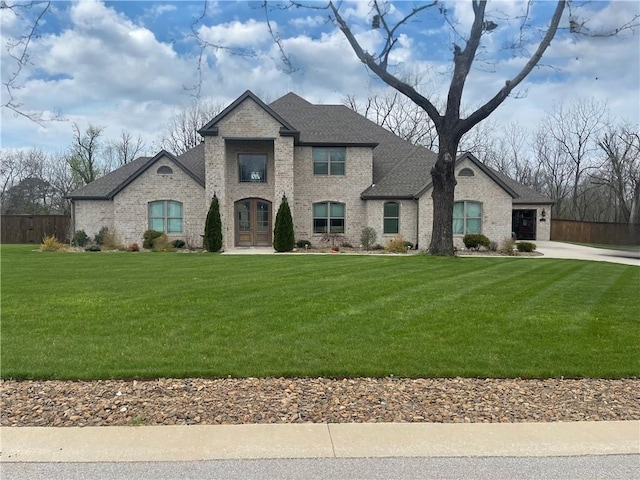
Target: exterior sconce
[(543, 216)]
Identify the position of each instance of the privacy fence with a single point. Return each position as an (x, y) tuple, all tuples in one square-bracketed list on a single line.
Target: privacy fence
[(32, 228), (595, 232)]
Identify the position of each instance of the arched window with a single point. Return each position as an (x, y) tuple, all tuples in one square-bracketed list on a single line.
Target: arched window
[(467, 217), (328, 217), (164, 170), (466, 172), (165, 216), (391, 218)]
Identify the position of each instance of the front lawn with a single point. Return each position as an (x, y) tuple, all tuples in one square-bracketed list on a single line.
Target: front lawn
[(147, 315)]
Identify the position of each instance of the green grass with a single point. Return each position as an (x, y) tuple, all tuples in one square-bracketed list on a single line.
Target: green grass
[(148, 315)]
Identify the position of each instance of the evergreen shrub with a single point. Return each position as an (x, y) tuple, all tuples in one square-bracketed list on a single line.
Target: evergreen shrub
[(283, 235), (473, 241)]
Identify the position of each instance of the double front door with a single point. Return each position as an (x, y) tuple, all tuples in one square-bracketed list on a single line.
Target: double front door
[(253, 222)]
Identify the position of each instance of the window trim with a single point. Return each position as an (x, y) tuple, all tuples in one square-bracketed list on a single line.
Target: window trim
[(465, 217), (328, 218), (165, 216), (385, 218), (266, 167), (328, 162)]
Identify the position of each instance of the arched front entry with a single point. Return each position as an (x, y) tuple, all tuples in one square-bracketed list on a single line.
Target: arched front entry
[(252, 222)]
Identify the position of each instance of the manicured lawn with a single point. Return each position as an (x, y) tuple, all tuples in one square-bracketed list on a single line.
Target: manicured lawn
[(147, 315)]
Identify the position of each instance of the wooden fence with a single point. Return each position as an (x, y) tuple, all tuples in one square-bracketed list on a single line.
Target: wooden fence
[(32, 228), (595, 232)]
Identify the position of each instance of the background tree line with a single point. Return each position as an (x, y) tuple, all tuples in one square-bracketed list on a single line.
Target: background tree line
[(578, 155)]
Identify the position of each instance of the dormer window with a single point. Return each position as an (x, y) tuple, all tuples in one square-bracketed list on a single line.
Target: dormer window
[(466, 172), (164, 170)]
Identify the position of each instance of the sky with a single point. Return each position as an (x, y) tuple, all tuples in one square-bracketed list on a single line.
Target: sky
[(130, 65)]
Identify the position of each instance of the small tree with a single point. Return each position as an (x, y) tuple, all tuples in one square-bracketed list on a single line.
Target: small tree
[(213, 227), (283, 236)]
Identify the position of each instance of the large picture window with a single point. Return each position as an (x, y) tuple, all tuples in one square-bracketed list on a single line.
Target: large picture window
[(252, 167), (328, 161), (328, 217), (467, 217), (165, 216), (391, 217)]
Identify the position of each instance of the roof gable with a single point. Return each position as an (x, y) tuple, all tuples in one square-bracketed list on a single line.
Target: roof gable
[(211, 128), (108, 186), (481, 166)]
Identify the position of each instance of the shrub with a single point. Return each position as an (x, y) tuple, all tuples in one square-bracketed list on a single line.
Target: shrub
[(80, 238), (303, 244), (149, 238), (474, 241), (334, 238), (493, 246), (526, 246), (134, 247), (283, 236), (178, 243), (346, 245), (99, 238), (507, 246), (409, 245), (93, 248), (368, 238), (212, 239), (396, 245), (51, 244), (110, 241), (377, 246), (162, 244)]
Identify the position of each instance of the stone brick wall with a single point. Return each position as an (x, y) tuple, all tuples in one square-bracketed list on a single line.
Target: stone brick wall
[(131, 205), (92, 215), (408, 220), (496, 206), (247, 129), (310, 188)]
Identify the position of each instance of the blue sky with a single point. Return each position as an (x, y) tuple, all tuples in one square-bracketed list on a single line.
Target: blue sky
[(130, 65)]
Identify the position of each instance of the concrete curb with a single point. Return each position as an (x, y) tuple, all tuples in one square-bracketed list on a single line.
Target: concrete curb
[(214, 442)]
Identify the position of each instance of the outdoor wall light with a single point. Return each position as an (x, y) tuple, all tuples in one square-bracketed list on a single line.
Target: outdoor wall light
[(543, 216)]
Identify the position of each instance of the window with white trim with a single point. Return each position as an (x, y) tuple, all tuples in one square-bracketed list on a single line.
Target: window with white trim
[(165, 216), (467, 217)]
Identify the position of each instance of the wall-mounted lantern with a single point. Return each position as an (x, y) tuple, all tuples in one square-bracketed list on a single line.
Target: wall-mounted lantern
[(543, 216)]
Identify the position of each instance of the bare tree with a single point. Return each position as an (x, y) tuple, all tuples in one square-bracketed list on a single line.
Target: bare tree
[(84, 155), (575, 128), (181, 133), (556, 173), (122, 150), (397, 114), (448, 121), (29, 15), (621, 171)]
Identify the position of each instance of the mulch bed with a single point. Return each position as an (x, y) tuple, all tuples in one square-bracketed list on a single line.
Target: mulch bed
[(318, 400)]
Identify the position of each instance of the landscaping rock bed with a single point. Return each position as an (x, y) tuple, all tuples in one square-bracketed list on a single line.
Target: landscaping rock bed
[(297, 400)]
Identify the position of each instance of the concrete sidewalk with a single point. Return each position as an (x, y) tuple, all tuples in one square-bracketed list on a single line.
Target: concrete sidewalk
[(191, 443)]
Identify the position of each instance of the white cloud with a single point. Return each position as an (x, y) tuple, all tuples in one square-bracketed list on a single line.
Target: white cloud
[(238, 34)]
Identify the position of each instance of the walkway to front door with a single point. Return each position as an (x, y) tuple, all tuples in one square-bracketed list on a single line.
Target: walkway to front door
[(253, 222)]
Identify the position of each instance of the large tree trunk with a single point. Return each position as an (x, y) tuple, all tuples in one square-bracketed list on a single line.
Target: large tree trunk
[(444, 183)]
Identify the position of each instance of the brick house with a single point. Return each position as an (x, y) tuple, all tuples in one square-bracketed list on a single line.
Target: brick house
[(339, 171)]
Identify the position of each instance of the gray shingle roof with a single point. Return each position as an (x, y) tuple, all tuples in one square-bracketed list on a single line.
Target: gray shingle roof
[(108, 186), (400, 169)]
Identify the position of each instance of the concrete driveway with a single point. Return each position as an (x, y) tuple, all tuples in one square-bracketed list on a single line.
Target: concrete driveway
[(579, 252)]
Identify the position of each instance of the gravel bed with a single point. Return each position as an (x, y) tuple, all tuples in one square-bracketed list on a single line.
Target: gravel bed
[(296, 400)]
